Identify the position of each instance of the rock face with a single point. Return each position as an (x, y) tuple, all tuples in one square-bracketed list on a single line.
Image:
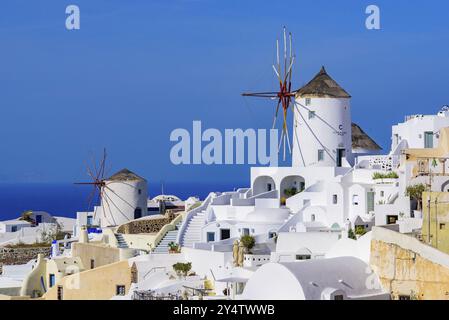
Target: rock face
[(14, 256), (146, 225)]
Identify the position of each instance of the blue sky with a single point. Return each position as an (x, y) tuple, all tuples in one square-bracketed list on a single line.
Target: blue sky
[(138, 69)]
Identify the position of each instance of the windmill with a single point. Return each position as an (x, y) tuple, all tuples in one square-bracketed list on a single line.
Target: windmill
[(283, 72), (111, 201)]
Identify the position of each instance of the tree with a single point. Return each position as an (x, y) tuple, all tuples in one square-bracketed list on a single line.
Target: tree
[(351, 234), (248, 242), (415, 192)]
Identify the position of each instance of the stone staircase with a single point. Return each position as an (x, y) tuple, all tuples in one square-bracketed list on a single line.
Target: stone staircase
[(170, 236), (192, 233), (121, 241)]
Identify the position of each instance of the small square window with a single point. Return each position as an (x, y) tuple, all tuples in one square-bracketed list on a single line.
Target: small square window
[(210, 236), (120, 290), (303, 257), (312, 114), (308, 101), (442, 226), (320, 155)]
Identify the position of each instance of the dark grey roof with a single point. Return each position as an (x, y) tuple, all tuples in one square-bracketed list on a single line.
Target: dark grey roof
[(125, 175), (360, 140), (322, 86)]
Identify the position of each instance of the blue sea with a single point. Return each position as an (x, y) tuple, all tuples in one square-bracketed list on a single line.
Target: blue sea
[(65, 199)]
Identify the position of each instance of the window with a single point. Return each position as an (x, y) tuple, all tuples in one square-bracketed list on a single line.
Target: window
[(382, 194), (303, 257), (428, 140), (271, 234), (313, 218), (60, 293), (51, 280), (90, 220), (13, 228), (335, 199), (339, 297), (225, 234), (442, 226), (402, 297), (321, 155), (269, 187), (92, 263), (140, 191), (392, 219), (38, 219), (312, 114), (210, 236), (355, 199), (245, 232), (120, 290), (308, 101)]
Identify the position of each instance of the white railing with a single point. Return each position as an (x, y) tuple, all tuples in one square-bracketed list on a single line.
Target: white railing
[(189, 215), (383, 162)]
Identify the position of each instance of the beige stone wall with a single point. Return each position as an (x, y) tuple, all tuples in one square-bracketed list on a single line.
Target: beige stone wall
[(13, 256), (405, 272), (101, 254), (146, 225), (96, 284)]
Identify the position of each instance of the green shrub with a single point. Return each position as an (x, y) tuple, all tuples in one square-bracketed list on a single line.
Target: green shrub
[(351, 234), (381, 175), (182, 268), (360, 230), (248, 242)]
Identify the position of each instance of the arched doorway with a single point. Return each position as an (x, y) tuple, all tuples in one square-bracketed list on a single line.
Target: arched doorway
[(291, 185), (263, 184), (137, 213)]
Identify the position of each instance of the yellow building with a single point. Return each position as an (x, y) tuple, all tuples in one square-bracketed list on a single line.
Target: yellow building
[(435, 229), (47, 273), (101, 283)]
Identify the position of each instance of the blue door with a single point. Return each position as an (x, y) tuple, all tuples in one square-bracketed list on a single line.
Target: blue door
[(38, 219), (51, 280)]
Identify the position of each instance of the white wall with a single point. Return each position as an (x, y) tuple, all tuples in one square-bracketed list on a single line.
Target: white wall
[(329, 129)]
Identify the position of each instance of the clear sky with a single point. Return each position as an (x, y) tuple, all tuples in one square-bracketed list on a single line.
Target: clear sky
[(138, 69)]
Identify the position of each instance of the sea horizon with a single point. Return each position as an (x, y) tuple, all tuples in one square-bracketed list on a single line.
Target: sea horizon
[(66, 199)]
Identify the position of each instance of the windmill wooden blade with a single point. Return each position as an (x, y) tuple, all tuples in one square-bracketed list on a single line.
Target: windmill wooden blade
[(284, 95), (261, 94)]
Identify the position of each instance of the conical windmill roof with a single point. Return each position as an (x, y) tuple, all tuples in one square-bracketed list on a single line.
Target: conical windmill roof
[(125, 175), (360, 140), (322, 86)]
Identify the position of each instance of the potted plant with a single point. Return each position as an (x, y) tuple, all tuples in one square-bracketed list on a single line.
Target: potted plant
[(173, 247), (182, 269)]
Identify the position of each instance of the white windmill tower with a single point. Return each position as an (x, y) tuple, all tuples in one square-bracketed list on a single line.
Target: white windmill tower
[(322, 124), (123, 196)]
